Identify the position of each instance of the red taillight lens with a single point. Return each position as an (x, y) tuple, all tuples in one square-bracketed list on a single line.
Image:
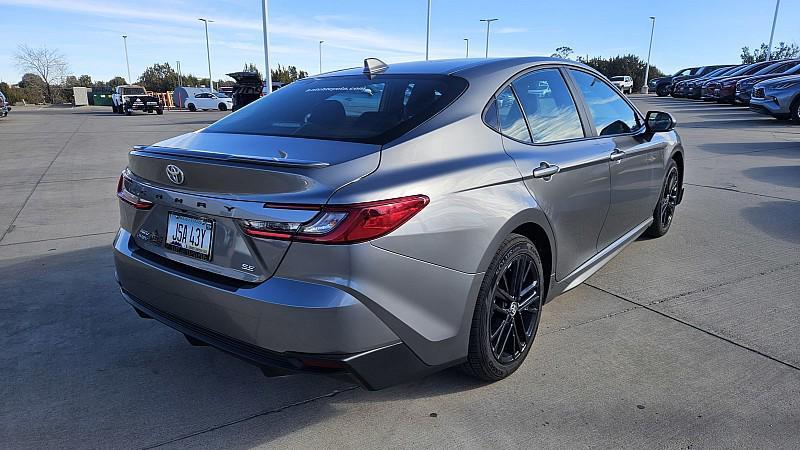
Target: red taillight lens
[(129, 197), (344, 224)]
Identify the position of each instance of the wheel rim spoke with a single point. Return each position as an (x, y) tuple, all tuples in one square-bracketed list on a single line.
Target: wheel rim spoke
[(514, 309)]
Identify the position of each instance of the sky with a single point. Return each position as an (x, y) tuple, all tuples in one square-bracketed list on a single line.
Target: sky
[(88, 32)]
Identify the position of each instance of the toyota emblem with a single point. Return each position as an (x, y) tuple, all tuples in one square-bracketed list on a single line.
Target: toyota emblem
[(175, 174)]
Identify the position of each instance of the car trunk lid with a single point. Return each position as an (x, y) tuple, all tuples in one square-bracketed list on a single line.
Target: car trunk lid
[(228, 178)]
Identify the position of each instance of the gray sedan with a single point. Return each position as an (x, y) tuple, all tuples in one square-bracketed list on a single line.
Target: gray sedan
[(384, 222)]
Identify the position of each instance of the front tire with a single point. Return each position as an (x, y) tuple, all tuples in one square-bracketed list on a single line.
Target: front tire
[(507, 311), (223, 107), (662, 90), (667, 201), (795, 111)]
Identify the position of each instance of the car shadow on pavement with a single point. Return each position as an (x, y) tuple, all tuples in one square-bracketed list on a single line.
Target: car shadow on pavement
[(788, 176), (777, 148), (76, 357), (771, 217)]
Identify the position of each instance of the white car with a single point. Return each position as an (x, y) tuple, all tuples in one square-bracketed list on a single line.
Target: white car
[(209, 100), (623, 83)]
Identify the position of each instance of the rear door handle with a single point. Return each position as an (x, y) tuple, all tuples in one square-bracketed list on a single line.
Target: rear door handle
[(545, 170), (616, 155)]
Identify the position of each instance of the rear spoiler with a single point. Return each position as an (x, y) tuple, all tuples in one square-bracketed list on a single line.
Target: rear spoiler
[(146, 150)]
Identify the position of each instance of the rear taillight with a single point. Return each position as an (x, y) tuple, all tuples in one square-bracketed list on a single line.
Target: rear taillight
[(342, 224), (124, 193)]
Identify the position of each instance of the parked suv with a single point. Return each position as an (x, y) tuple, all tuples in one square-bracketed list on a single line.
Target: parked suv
[(662, 86), (778, 97), (623, 83), (386, 222)]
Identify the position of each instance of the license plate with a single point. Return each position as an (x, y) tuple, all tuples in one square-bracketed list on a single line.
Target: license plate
[(191, 236)]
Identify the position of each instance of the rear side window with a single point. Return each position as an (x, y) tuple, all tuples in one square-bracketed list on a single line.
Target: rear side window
[(548, 105), (512, 122), (610, 113), (346, 108)]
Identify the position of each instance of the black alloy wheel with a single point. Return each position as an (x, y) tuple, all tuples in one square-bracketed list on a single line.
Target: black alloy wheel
[(667, 202), (507, 312), (515, 309)]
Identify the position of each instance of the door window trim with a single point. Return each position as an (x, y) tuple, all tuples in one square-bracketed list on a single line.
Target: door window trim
[(588, 128), (639, 119)]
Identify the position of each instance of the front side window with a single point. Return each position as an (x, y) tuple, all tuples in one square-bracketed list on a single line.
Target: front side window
[(548, 105), (610, 113), (346, 108)]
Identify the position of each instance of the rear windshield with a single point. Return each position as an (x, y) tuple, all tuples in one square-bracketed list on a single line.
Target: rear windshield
[(346, 108), (617, 78)]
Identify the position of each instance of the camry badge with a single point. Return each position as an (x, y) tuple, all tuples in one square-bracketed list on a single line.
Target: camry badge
[(175, 174)]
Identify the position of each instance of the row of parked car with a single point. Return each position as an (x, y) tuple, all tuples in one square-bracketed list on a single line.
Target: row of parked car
[(767, 87)]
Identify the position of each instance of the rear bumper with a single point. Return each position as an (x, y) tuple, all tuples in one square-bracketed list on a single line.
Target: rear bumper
[(373, 369), (283, 323)]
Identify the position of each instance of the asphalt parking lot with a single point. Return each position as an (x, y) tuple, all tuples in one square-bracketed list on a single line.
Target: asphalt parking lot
[(692, 340)]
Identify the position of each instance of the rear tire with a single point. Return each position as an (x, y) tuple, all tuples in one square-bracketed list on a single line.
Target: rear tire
[(507, 311), (114, 108), (191, 107), (159, 111), (667, 201), (662, 90)]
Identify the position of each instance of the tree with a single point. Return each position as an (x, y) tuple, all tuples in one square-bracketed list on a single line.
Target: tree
[(630, 65), (31, 89), (85, 81), (782, 51), (287, 74), (159, 78), (48, 63), (116, 81), (562, 52), (70, 81), (191, 80)]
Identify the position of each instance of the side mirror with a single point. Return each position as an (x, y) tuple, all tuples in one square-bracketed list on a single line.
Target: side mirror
[(658, 121)]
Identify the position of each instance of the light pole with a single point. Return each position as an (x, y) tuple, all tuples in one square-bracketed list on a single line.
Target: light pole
[(467, 41), (127, 63), (647, 68), (178, 67), (208, 53), (488, 21), (428, 34), (320, 56), (772, 34), (265, 23)]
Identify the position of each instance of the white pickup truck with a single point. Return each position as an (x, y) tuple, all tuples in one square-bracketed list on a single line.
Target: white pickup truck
[(128, 98), (624, 83)]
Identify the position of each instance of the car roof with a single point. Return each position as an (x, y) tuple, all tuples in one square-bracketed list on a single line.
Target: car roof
[(453, 66)]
